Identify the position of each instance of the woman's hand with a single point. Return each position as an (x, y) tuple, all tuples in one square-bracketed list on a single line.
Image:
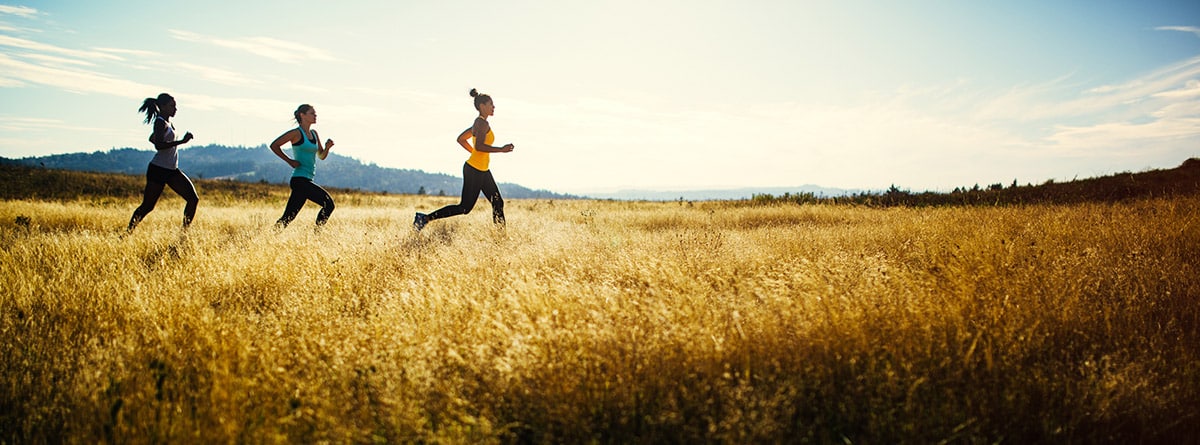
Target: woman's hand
[(187, 137), (507, 148), (294, 163), (323, 152)]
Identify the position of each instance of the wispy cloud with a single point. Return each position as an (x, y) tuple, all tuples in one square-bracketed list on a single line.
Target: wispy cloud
[(1152, 118), (1124, 139), (27, 125), (91, 72), (55, 60), (1148, 112), (22, 124), (1190, 90), (1062, 99), (22, 11), (75, 80), (30, 45), (10, 83), (271, 48), (1191, 29), (128, 52)]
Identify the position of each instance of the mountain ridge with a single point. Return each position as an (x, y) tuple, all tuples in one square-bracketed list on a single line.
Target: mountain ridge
[(259, 164)]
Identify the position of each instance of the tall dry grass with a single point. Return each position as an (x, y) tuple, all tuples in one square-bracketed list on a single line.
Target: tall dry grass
[(609, 322)]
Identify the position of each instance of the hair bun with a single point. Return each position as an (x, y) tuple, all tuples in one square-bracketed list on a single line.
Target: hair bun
[(474, 93)]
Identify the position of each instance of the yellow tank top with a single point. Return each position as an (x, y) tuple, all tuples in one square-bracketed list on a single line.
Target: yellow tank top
[(480, 159)]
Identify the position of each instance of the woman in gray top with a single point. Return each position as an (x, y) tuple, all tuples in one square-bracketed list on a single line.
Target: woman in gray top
[(164, 168)]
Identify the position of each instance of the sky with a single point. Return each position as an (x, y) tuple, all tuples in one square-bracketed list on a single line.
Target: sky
[(601, 96)]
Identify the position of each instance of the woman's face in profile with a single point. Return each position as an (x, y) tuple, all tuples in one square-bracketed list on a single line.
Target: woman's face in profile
[(168, 109)]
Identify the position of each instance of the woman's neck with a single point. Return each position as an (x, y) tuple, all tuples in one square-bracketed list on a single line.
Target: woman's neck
[(305, 126)]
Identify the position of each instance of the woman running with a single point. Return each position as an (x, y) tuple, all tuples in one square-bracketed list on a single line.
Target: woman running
[(476, 176), (306, 149), (164, 167)]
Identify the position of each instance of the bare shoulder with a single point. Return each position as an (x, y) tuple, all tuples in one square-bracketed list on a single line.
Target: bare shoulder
[(292, 136), (481, 126)]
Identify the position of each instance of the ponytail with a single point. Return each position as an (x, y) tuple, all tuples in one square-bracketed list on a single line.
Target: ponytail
[(152, 105), (149, 108)]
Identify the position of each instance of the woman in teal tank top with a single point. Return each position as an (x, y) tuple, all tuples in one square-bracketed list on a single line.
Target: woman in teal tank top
[(306, 149)]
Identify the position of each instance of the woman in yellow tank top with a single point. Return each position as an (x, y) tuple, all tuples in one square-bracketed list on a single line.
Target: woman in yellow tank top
[(476, 176)]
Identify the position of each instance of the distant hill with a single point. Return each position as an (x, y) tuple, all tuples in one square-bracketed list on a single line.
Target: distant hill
[(1179, 181), (258, 164)]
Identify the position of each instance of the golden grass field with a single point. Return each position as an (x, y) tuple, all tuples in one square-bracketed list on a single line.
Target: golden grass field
[(600, 322)]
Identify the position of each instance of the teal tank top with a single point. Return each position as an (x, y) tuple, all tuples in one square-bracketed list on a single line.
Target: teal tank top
[(306, 154)]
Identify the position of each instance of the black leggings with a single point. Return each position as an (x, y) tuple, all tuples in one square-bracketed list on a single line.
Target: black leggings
[(474, 182), (303, 189), (156, 178)]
